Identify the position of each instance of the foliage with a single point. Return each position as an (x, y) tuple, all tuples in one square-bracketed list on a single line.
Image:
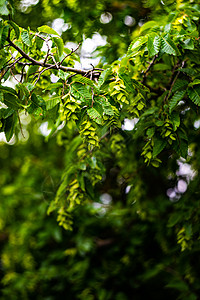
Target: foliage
[(119, 234)]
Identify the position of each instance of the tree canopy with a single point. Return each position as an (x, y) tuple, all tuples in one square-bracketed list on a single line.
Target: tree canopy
[(99, 167)]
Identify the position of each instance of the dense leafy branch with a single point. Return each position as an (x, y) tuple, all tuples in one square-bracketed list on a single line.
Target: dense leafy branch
[(156, 83)]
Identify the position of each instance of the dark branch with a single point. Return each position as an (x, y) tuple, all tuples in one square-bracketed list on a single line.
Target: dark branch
[(149, 67), (53, 66)]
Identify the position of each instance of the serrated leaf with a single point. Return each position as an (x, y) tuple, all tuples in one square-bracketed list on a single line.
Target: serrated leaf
[(6, 89), (16, 28), (51, 102), (11, 100), (59, 44), (140, 86), (153, 44), (37, 104), (188, 44), (6, 112), (127, 81), (136, 44), (107, 107), (81, 93), (25, 38), (194, 94), (54, 86), (3, 35), (95, 115), (84, 80), (148, 26), (168, 46), (47, 29), (9, 128), (159, 145), (188, 71), (3, 9), (175, 99), (180, 83), (104, 75)]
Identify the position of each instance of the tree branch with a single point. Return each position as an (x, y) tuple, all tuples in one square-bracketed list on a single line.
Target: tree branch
[(53, 66), (173, 82), (149, 67)]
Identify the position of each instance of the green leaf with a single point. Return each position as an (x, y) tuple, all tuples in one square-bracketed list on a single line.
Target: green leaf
[(84, 80), (95, 115), (59, 44), (174, 219), (150, 132), (153, 44), (3, 35), (31, 70), (189, 71), (179, 285), (175, 118), (137, 44), (140, 86), (37, 104), (103, 77), (183, 148), (195, 82), (47, 29), (127, 81), (188, 44), (16, 28), (3, 9), (39, 42), (9, 128), (6, 89), (11, 100), (26, 38), (194, 94), (107, 107), (65, 181), (6, 112), (159, 145), (56, 85), (82, 93), (168, 46), (180, 83), (175, 99), (148, 26), (51, 102)]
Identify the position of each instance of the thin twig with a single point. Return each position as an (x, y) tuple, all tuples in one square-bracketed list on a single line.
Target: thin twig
[(149, 67), (22, 74), (173, 82), (56, 64), (60, 63), (40, 73), (48, 50)]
